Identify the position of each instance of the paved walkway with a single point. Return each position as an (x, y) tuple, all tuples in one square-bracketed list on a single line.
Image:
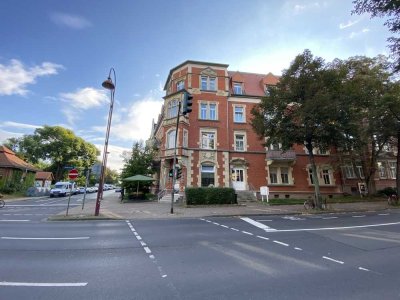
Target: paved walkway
[(112, 207)]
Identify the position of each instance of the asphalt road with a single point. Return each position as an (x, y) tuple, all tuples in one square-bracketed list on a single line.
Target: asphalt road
[(39, 209), (344, 256)]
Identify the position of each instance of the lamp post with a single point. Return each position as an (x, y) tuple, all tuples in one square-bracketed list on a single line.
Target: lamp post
[(109, 85)]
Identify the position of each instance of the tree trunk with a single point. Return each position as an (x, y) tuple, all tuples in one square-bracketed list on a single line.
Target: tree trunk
[(317, 192)]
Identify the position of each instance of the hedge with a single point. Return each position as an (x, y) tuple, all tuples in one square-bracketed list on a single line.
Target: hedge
[(210, 195)]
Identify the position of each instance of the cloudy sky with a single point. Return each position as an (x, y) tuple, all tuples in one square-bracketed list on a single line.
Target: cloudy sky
[(54, 55)]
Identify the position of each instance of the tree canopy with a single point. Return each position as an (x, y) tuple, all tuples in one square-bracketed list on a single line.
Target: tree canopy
[(339, 104), (384, 8), (56, 146)]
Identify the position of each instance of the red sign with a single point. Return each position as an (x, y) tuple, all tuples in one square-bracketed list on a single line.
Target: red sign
[(73, 174)]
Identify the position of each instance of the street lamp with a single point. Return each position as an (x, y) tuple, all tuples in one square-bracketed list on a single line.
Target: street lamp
[(109, 85)]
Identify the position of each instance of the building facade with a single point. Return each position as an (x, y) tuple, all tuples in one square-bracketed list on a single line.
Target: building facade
[(216, 144)]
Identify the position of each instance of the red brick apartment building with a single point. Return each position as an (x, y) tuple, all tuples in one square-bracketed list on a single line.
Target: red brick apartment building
[(216, 145)]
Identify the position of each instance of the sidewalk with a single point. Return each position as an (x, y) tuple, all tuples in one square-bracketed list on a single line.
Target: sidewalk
[(112, 208)]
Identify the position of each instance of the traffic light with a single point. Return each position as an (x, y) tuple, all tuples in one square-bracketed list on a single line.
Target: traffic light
[(187, 103), (171, 173), (178, 173)]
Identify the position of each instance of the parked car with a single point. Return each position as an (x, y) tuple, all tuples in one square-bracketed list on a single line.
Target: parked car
[(82, 190), (63, 189)]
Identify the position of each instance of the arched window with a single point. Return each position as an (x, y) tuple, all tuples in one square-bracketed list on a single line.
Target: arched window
[(172, 109), (171, 139), (207, 175)]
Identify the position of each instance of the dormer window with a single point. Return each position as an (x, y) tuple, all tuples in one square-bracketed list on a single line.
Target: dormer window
[(180, 85), (237, 88)]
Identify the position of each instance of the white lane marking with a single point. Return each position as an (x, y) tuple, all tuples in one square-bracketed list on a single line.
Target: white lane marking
[(44, 238), (328, 218), (297, 248), (234, 229), (334, 260), (139, 237), (363, 269), (257, 224), (264, 220), (224, 226), (202, 219), (147, 249), (335, 228), (41, 205), (14, 220), (280, 243), (383, 214), (362, 216), (152, 256), (263, 237), (63, 284), (143, 243), (215, 223), (245, 232), (164, 276)]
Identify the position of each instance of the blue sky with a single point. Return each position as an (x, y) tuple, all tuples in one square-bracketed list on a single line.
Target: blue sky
[(54, 55)]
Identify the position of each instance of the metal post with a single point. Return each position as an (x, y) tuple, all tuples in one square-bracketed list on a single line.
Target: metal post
[(174, 164), (108, 84), (86, 184)]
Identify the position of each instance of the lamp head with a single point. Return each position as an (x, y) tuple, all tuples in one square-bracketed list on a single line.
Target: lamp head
[(108, 84)]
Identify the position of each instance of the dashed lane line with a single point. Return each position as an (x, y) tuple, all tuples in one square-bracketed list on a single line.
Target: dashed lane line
[(334, 260), (43, 284), (147, 249)]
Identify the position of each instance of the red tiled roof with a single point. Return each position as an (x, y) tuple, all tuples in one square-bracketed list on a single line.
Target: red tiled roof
[(254, 83), (44, 175), (8, 159)]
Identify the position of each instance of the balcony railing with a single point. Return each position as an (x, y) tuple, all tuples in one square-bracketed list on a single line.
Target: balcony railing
[(288, 155)]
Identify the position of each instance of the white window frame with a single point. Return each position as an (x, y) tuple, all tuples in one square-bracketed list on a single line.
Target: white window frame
[(206, 137), (237, 88), (172, 110), (185, 141), (242, 141), (348, 171), (326, 176), (208, 83), (203, 169), (171, 139), (243, 113), (276, 174), (382, 170), (205, 110), (180, 85), (392, 169)]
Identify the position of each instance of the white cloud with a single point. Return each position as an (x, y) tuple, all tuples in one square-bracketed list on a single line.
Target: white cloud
[(4, 135), (137, 123), (71, 21), (306, 6), (357, 33), (15, 77), (114, 158), (19, 125), (85, 98), (348, 24)]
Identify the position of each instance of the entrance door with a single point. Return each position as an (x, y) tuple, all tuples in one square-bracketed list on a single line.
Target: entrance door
[(237, 176)]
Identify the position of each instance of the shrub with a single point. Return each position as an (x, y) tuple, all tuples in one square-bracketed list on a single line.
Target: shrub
[(211, 195), (387, 191)]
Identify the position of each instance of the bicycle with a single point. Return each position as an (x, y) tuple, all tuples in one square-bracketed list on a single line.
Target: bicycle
[(393, 200), (310, 203)]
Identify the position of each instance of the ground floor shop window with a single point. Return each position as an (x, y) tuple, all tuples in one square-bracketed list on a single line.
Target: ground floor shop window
[(207, 175)]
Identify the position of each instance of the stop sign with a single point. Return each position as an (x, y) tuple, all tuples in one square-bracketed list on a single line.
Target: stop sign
[(73, 174)]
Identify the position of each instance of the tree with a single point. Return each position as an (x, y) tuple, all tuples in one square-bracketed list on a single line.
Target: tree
[(384, 8), (302, 109), (57, 146), (139, 162), (370, 124)]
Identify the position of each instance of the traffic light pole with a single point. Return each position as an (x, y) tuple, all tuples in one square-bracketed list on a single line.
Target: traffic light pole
[(174, 164)]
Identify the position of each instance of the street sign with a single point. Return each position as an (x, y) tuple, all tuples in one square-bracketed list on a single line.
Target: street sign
[(73, 174)]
